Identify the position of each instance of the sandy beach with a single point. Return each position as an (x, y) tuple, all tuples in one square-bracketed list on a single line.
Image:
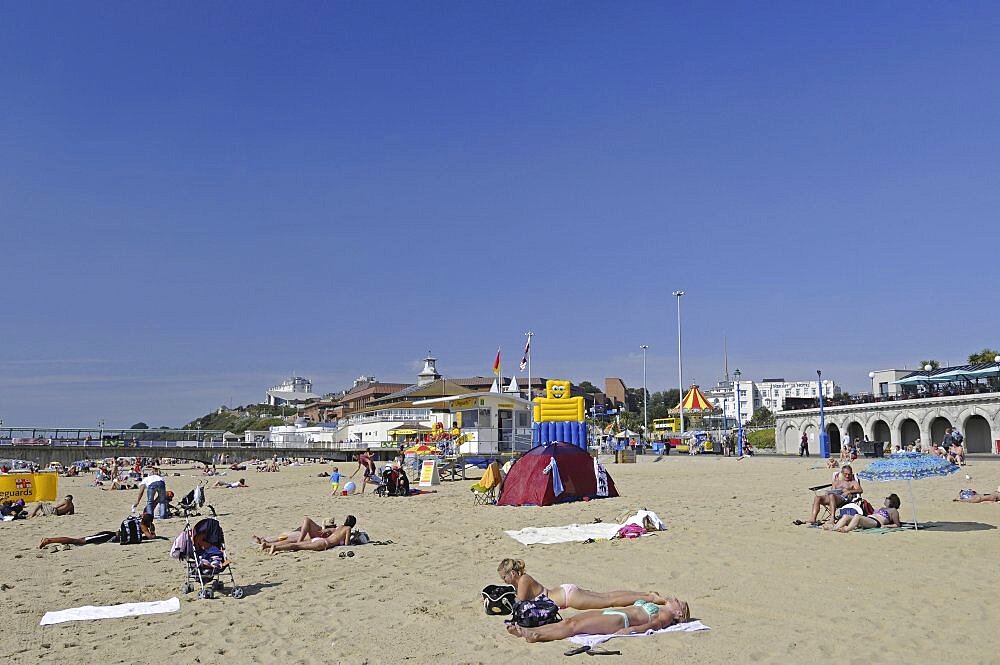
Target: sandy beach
[(770, 591)]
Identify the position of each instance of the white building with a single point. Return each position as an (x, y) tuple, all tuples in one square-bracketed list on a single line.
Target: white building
[(769, 393), (774, 392), (293, 391)]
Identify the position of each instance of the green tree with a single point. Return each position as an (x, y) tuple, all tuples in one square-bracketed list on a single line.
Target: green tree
[(588, 387), (633, 399), (933, 363), (661, 402), (987, 355), (762, 417), (139, 425)]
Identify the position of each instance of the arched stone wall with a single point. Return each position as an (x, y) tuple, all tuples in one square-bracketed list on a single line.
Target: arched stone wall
[(909, 431), (976, 430), (881, 431), (833, 430), (938, 425), (790, 438)]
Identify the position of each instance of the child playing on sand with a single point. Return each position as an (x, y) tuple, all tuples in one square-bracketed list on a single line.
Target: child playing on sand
[(335, 481)]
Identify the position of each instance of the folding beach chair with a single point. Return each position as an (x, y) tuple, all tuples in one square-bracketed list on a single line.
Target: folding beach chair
[(485, 491)]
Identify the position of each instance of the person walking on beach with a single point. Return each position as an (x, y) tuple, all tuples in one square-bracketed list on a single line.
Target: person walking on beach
[(804, 445), (365, 460)]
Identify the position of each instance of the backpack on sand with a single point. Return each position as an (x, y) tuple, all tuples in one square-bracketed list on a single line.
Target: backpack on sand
[(129, 533), (499, 599)]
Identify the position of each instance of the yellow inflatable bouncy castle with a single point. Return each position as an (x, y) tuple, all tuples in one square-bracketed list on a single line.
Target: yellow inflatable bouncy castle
[(558, 416)]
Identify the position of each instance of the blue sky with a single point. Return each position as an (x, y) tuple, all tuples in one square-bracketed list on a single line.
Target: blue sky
[(196, 199)]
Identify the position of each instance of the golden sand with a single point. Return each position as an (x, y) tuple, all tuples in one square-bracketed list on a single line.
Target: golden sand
[(770, 591)]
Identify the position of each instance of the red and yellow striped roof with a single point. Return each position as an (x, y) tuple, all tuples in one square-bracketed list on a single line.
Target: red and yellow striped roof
[(695, 401)]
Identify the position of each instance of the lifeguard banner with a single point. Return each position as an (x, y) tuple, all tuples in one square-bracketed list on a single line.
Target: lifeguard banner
[(429, 473), (29, 486)]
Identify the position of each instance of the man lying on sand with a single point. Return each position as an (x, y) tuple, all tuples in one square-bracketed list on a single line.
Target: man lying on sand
[(338, 536), (224, 484), (637, 618), (512, 572), (145, 527)]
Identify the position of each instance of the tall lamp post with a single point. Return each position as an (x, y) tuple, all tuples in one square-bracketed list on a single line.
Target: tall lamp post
[(100, 425), (739, 417), (645, 399), (680, 363), (824, 438), (927, 368)]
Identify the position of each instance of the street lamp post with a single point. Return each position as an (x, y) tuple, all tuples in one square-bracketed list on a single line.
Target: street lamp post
[(927, 368), (871, 377), (645, 399), (824, 438), (100, 425), (680, 363), (739, 417)]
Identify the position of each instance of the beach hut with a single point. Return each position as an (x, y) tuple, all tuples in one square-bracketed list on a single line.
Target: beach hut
[(556, 473)]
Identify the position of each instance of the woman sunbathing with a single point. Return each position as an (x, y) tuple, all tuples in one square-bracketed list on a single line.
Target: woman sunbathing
[(309, 529), (339, 536), (883, 518), (969, 496), (570, 595), (636, 618)]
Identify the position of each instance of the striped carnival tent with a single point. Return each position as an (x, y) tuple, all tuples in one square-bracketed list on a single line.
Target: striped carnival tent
[(695, 401)]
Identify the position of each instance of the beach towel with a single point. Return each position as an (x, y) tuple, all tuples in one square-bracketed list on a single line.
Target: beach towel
[(602, 478), (88, 612), (547, 535), (594, 640), (553, 468)]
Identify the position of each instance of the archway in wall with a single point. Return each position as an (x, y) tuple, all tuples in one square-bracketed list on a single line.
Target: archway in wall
[(834, 433), (909, 431), (938, 426), (977, 435), (880, 432), (854, 431), (790, 440), (812, 434)]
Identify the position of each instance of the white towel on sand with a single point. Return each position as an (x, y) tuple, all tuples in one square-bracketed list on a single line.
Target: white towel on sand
[(547, 535), (594, 640), (88, 612)]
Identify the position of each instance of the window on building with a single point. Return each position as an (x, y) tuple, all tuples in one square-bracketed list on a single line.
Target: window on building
[(521, 419), (470, 419)]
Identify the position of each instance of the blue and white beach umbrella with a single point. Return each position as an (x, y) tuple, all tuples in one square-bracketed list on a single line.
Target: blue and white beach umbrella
[(909, 467)]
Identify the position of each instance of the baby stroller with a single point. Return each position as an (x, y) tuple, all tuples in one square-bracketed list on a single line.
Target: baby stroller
[(191, 503), (394, 483), (203, 550)]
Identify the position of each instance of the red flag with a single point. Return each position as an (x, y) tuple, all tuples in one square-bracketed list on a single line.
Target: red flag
[(496, 364)]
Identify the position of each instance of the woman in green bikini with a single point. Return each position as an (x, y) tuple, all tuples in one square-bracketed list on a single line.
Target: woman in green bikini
[(636, 618), (511, 571)]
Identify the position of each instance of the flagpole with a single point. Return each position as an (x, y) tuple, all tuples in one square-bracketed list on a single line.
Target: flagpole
[(531, 408)]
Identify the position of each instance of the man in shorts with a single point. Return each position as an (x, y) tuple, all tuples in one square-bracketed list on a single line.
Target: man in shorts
[(64, 507), (145, 527)]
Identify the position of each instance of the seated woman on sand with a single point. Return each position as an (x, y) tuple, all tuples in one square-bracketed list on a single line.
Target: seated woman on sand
[(886, 517), (337, 537), (570, 595), (636, 618)]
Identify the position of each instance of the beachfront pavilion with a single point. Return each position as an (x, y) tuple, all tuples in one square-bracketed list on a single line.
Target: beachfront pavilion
[(976, 415), (490, 423)]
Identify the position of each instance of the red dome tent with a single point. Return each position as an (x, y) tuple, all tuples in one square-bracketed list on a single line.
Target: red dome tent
[(527, 484)]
